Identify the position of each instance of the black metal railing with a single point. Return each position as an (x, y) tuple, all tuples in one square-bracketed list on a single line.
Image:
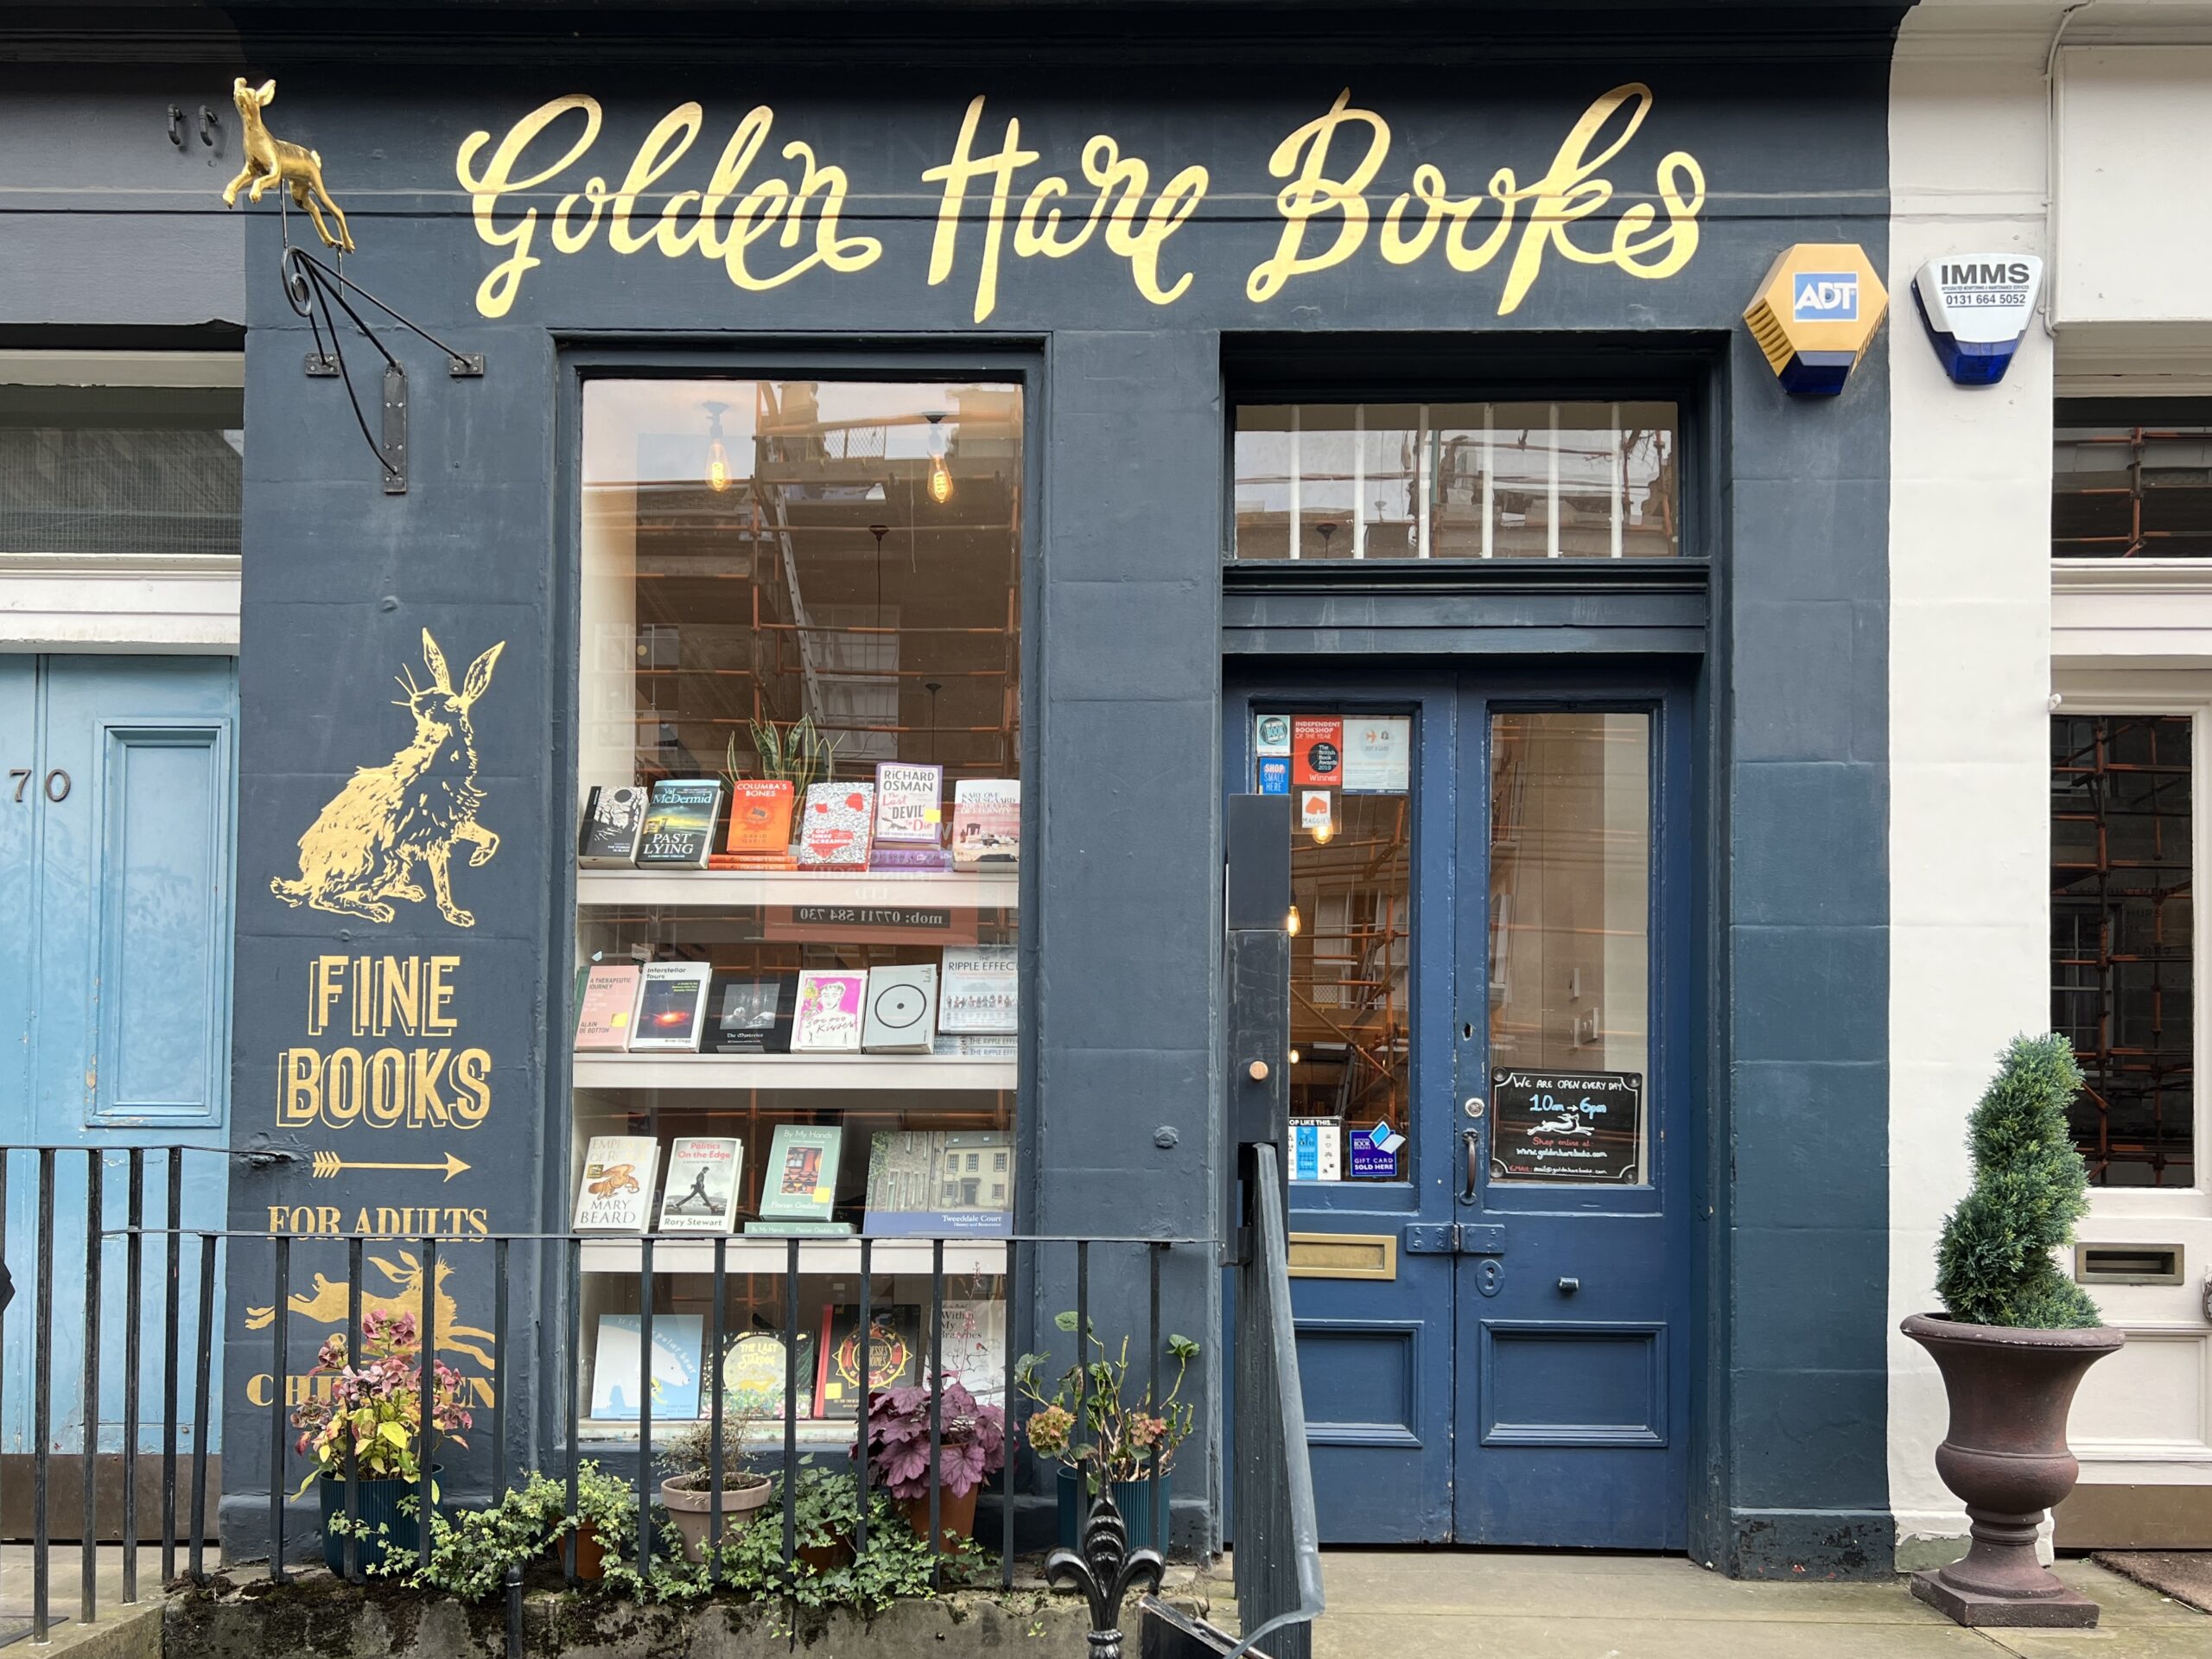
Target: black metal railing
[(1041, 1273)]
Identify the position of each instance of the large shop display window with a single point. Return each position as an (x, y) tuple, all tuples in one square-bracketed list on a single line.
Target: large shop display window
[(1559, 480), (799, 826)]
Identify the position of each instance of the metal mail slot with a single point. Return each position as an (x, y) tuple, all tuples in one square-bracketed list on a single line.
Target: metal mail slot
[(1343, 1255), (2127, 1264)]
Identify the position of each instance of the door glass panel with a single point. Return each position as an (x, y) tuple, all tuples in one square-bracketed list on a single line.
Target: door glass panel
[(1570, 947), (2122, 957), (1352, 890)]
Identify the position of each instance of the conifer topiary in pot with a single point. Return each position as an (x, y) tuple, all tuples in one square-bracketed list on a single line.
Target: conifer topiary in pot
[(2014, 1343)]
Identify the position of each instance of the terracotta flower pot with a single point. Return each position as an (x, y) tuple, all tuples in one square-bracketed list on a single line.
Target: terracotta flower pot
[(591, 1554), (691, 1509), (956, 1517), (2005, 1455)]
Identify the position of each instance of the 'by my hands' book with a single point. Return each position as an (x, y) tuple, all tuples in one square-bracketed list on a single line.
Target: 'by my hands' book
[(700, 1195), (986, 823), (615, 817), (799, 1181), (680, 822), (616, 1194), (672, 1379), (604, 1008), (671, 1004)]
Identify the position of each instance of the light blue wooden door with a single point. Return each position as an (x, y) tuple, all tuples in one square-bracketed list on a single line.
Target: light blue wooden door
[(116, 851)]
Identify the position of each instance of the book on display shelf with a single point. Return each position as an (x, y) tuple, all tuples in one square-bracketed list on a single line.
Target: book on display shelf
[(980, 990), (672, 1379), (614, 819), (604, 1007), (701, 1193), (836, 827), (757, 1370), (974, 1344), (671, 1007), (679, 830), (759, 826), (901, 1010), (831, 1006), (799, 1180), (986, 823), (909, 803), (616, 1192), (894, 1356), (924, 1182), (750, 1013)]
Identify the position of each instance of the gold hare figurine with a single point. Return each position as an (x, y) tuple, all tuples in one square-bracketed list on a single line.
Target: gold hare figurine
[(269, 159), (363, 848)]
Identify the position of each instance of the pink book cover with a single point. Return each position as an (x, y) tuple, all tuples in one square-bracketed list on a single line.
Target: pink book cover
[(603, 1016)]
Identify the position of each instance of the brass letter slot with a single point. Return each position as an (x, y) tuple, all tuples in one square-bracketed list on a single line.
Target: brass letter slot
[(1343, 1255), (2127, 1264)]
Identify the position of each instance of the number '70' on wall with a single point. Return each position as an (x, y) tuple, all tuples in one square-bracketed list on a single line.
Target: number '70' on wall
[(57, 783)]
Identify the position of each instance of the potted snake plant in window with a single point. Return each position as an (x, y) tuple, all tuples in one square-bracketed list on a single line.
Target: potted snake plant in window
[(2015, 1340)]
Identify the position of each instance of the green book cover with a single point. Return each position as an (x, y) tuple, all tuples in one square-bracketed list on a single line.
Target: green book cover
[(680, 822), (799, 1181)]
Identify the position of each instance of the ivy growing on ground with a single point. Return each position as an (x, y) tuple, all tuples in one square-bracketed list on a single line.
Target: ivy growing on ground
[(1993, 1265)]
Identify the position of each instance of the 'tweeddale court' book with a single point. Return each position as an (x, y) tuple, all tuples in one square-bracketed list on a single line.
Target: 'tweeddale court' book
[(671, 1007), (614, 819), (679, 829), (605, 1006), (701, 1192), (616, 1194)]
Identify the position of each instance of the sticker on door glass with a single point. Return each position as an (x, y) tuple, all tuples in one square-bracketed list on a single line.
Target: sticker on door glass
[(1565, 1126), (1316, 751), (1374, 1151), (1378, 754), (1271, 734), (1275, 775)]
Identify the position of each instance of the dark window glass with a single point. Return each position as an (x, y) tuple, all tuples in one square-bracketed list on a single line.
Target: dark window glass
[(2123, 968), (2131, 482), (130, 471)]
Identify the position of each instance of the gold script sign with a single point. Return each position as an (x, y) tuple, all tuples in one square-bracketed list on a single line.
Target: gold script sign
[(766, 227)]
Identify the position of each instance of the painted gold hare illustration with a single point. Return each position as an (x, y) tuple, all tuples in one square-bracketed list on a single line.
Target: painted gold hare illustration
[(362, 850)]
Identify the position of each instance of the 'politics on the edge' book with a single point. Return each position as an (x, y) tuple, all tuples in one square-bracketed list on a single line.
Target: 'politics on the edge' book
[(701, 1192)]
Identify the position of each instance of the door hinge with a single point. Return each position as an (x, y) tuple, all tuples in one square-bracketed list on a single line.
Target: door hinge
[(1455, 1238)]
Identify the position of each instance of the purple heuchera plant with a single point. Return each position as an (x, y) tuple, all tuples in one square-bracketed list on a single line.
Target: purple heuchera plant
[(971, 1449)]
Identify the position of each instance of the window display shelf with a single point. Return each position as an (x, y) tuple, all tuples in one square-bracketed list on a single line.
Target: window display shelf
[(815, 1434), (726, 889), (793, 1071), (753, 1253)]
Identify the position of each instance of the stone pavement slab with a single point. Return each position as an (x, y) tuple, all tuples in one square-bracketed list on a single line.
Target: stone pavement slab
[(117, 1632), (1504, 1604)]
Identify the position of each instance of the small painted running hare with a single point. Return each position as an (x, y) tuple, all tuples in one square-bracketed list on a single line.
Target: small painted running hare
[(363, 848)]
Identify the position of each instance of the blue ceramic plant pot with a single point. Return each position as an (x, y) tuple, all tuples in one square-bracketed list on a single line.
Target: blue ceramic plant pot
[(1132, 1497), (378, 1505)]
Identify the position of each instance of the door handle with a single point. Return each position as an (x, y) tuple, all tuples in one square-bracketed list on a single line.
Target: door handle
[(1472, 1140)]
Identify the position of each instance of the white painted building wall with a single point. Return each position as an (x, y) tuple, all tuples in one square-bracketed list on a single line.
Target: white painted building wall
[(2113, 103)]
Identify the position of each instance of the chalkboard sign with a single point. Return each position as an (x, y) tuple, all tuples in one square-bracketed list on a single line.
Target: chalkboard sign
[(1565, 1125)]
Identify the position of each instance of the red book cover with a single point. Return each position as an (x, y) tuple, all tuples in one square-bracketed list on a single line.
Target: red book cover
[(837, 827), (822, 1366), (1316, 751), (760, 816)]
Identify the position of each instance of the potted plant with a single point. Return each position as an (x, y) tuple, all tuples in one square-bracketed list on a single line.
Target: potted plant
[(2013, 1343), (689, 1494), (971, 1448), (1103, 1440), (376, 1408)]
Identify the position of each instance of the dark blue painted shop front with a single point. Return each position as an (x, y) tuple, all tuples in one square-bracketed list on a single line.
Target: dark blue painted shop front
[(1685, 1347)]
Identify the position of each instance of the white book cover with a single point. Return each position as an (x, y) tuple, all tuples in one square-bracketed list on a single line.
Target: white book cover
[(671, 1007), (616, 1194), (909, 802), (980, 990), (974, 1347), (901, 1016), (701, 1192), (986, 821)]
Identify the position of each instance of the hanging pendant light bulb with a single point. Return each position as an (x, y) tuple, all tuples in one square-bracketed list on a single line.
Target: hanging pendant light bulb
[(717, 456), (940, 474)]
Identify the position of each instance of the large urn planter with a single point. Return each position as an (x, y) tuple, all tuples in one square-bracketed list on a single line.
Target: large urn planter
[(2004, 1456)]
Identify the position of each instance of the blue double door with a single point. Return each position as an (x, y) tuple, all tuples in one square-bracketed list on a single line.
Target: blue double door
[(1492, 1134), (117, 787)]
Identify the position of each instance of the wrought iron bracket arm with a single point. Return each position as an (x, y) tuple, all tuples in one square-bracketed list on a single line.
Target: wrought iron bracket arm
[(1106, 1570)]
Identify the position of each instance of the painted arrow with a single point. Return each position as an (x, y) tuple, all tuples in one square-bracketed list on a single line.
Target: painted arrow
[(326, 1164)]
